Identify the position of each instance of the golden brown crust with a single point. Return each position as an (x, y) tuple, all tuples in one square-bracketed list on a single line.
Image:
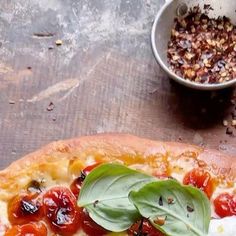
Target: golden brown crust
[(118, 145)]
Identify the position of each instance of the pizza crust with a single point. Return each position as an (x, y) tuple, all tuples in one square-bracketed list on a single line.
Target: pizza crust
[(55, 157)]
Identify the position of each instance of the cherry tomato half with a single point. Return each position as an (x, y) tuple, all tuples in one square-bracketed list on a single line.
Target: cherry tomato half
[(32, 229), (61, 210), (225, 205), (89, 226), (144, 228), (201, 179), (88, 169), (77, 183), (24, 208)]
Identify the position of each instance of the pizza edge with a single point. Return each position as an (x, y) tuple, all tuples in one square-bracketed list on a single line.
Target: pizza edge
[(118, 144)]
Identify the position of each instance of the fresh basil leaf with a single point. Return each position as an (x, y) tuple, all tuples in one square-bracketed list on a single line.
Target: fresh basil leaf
[(104, 194), (174, 209)]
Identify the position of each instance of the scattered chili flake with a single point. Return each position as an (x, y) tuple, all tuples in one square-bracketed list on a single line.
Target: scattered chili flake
[(95, 203), (233, 122), (203, 49), (229, 131), (225, 123), (207, 7), (58, 42), (233, 114), (190, 209), (51, 106), (12, 102), (160, 201), (160, 220), (42, 35), (153, 91), (170, 200)]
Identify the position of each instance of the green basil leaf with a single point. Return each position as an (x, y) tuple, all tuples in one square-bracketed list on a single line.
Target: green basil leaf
[(104, 194), (174, 209)]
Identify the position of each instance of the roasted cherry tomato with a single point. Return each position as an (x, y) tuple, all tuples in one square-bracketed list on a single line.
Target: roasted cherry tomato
[(77, 183), (144, 227), (225, 205), (24, 208), (88, 169), (61, 210), (201, 179), (31, 229), (89, 226)]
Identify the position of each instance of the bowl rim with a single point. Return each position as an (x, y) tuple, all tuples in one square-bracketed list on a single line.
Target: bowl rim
[(174, 76)]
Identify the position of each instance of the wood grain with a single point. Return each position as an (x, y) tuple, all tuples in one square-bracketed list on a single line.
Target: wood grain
[(103, 78)]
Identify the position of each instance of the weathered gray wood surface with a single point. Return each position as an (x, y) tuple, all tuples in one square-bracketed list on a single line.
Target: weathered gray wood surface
[(103, 78)]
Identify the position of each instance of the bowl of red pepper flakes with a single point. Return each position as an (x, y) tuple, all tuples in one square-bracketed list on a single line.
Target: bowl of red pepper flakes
[(200, 44)]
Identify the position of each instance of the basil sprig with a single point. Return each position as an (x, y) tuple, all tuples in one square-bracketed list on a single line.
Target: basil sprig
[(105, 195), (174, 209), (116, 197)]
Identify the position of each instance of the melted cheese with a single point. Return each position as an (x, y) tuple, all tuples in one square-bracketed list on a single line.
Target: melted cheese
[(3, 215), (223, 227)]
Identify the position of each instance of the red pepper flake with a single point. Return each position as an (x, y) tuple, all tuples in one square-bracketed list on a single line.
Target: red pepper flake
[(42, 35), (51, 106), (12, 102), (190, 209), (58, 42), (95, 203), (170, 200), (229, 131), (233, 123), (160, 220), (160, 201), (233, 114), (225, 123), (207, 7), (203, 49)]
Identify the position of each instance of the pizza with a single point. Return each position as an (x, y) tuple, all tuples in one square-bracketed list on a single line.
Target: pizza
[(119, 185)]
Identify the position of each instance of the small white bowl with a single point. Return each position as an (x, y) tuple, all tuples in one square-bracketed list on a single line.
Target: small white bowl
[(160, 36)]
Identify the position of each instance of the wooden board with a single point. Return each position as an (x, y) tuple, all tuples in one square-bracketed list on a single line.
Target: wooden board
[(103, 78)]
